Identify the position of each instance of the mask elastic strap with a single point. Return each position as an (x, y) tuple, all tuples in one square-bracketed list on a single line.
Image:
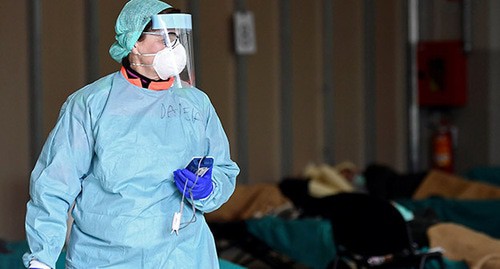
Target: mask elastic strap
[(145, 55)]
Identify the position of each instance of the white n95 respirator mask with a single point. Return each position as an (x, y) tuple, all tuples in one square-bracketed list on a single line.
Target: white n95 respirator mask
[(170, 62)]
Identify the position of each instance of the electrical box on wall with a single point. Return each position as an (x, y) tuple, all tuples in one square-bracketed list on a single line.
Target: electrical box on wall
[(442, 74), (244, 33)]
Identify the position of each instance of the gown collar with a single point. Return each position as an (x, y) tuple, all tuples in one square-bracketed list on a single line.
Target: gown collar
[(141, 81)]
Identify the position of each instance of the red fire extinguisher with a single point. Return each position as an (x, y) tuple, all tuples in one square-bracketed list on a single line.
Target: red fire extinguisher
[(443, 147)]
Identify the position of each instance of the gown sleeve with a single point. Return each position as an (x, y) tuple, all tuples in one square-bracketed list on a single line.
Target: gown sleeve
[(56, 181), (225, 170)]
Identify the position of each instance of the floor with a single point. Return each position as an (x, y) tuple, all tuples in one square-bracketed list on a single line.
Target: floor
[(236, 255)]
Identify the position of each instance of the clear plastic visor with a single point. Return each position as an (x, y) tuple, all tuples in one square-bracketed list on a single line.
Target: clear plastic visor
[(176, 29)]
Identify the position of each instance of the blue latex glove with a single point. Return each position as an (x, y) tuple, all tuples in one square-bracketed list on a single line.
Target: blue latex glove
[(203, 187)]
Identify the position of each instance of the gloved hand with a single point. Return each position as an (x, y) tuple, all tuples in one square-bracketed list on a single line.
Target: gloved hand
[(201, 189), (34, 264)]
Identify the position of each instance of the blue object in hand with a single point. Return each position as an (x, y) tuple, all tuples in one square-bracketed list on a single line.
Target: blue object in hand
[(199, 186)]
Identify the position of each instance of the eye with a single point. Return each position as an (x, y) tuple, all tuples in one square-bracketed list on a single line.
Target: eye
[(172, 39)]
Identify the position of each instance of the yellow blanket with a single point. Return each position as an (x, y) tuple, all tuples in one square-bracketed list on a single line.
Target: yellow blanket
[(442, 184), (250, 201), (478, 250)]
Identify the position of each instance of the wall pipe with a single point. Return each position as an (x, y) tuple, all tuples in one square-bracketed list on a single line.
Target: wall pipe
[(370, 99), (286, 88), (92, 39), (412, 94), (328, 99), (467, 25), (35, 78)]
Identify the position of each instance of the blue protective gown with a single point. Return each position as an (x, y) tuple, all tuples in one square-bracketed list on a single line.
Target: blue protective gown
[(112, 153)]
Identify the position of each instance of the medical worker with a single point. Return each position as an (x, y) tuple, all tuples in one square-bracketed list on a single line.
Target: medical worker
[(118, 153)]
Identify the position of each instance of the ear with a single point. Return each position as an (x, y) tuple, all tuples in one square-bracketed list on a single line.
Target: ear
[(134, 49)]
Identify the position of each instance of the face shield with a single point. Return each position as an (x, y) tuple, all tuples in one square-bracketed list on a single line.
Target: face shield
[(177, 59)]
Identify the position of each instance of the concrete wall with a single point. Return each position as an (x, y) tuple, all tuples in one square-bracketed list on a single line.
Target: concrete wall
[(14, 137), (64, 70)]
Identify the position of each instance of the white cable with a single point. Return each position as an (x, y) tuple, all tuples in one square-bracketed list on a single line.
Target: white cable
[(176, 222)]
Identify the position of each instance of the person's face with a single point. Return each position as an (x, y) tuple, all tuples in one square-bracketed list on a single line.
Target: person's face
[(152, 43), (147, 47)]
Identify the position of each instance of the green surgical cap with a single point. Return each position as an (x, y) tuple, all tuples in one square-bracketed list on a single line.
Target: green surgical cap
[(135, 15)]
